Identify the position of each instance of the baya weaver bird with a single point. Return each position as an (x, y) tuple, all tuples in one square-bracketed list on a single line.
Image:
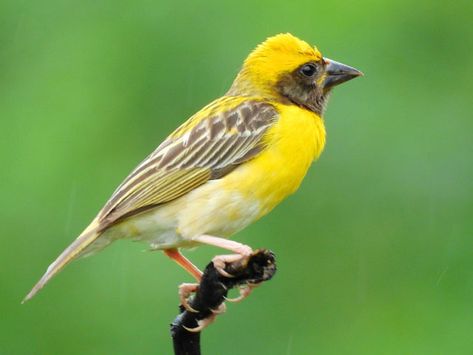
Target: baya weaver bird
[(227, 165)]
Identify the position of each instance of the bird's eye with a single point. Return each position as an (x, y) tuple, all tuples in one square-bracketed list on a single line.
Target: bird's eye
[(309, 70)]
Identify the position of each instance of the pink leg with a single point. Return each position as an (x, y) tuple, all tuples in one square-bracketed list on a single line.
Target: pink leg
[(219, 261), (185, 289), (238, 248), (175, 255)]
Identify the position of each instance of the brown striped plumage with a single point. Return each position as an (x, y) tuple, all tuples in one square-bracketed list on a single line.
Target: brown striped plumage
[(209, 149)]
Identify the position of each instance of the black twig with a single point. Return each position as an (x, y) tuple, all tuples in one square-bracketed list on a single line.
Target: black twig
[(258, 267)]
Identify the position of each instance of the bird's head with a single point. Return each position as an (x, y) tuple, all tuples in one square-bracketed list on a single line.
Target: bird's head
[(290, 70)]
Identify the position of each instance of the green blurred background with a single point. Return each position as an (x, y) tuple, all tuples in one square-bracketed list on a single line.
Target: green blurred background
[(375, 252)]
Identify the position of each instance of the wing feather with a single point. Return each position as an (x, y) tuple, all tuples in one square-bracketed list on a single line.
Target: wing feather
[(204, 148)]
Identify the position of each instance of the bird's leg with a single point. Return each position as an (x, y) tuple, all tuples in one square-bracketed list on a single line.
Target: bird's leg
[(240, 250), (176, 255), (185, 289)]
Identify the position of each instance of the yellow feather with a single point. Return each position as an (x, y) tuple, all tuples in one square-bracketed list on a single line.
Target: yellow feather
[(261, 70), (226, 166), (293, 143), (222, 104), (223, 207)]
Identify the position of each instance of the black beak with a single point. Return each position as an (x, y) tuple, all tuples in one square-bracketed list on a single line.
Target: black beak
[(338, 73)]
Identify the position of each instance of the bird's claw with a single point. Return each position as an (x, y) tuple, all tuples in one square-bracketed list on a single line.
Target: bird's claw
[(201, 324), (221, 271), (220, 261), (245, 291), (221, 309), (185, 291)]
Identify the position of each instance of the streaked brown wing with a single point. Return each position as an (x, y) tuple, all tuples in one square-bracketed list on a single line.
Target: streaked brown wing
[(188, 158)]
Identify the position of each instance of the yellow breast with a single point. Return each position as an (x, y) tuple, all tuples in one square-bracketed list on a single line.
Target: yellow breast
[(224, 206), (292, 145)]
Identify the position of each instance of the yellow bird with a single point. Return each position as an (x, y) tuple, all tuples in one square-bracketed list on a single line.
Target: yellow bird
[(228, 165)]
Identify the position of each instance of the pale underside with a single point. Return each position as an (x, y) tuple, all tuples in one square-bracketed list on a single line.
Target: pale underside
[(209, 209)]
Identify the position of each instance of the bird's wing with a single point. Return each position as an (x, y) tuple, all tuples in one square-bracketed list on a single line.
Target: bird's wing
[(208, 146)]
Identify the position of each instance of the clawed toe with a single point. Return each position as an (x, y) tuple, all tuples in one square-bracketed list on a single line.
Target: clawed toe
[(222, 272), (220, 262), (243, 252), (185, 290), (245, 291), (221, 309), (201, 324), (219, 265)]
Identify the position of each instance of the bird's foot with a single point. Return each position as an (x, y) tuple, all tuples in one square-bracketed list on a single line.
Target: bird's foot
[(185, 290), (201, 324), (220, 261), (245, 291), (221, 309), (241, 251)]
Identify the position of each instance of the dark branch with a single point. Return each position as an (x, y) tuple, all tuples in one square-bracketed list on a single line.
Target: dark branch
[(258, 267)]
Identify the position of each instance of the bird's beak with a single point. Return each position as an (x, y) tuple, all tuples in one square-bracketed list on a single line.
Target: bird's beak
[(337, 73)]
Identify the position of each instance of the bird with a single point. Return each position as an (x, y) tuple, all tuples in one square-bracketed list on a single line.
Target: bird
[(228, 165)]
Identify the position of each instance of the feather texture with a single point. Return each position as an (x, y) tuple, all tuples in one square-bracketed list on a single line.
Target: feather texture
[(88, 236), (208, 146), (225, 167)]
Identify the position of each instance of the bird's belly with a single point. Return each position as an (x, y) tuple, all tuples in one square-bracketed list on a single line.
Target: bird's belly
[(219, 207), (209, 209), (154, 227), (217, 210)]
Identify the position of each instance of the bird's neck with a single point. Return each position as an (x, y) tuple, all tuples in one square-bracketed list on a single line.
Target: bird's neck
[(248, 84)]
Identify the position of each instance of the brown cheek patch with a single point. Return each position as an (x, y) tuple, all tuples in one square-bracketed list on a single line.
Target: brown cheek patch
[(301, 92)]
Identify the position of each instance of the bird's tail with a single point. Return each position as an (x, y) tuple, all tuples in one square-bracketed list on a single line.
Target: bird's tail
[(87, 237)]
